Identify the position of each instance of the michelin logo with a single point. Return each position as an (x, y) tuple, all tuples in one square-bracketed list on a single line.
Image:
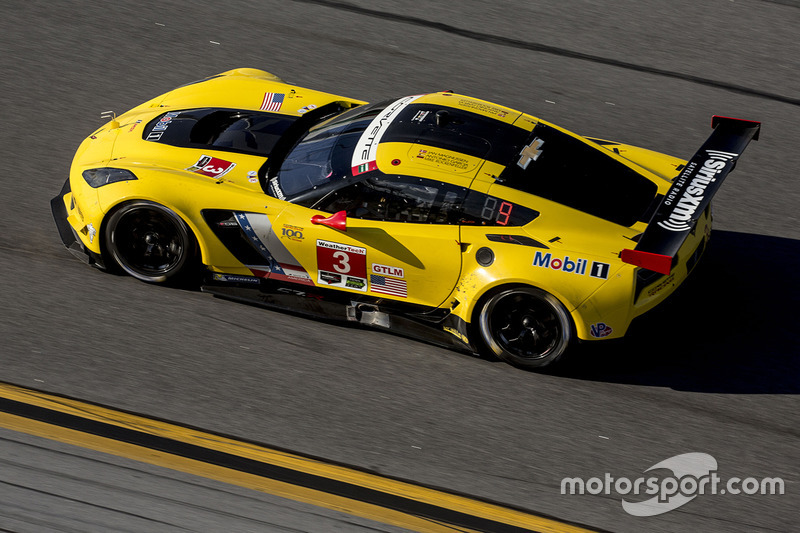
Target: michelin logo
[(577, 266), (687, 205)]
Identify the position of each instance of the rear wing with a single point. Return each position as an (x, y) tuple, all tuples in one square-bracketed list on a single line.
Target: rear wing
[(690, 194)]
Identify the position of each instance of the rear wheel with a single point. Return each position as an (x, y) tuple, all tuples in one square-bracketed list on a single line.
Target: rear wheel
[(525, 326), (150, 242)]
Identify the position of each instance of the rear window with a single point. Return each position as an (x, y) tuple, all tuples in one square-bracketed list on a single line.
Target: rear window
[(564, 169)]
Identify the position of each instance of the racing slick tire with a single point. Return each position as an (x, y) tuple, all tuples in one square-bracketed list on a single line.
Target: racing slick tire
[(150, 242), (525, 326)]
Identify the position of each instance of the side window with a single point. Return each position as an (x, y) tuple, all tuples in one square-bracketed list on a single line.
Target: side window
[(398, 199), (423, 201), (484, 210)]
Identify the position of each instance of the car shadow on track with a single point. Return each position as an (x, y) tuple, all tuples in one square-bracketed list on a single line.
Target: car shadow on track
[(729, 329)]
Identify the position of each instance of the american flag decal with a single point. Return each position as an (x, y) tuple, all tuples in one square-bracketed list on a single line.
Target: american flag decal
[(391, 286), (272, 101)]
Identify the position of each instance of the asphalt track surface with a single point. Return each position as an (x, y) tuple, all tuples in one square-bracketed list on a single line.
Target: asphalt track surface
[(716, 370)]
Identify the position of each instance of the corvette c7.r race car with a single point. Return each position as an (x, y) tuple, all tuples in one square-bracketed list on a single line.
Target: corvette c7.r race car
[(438, 216)]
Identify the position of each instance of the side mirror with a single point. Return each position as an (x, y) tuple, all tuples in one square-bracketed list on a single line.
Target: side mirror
[(336, 221)]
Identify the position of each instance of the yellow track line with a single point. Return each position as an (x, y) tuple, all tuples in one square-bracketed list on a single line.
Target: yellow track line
[(264, 455)]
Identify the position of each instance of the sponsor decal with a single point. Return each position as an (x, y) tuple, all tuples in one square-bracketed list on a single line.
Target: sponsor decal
[(664, 283), (367, 145), (92, 231), (306, 109), (483, 108), (439, 158), (161, 126), (600, 330), (272, 101), (133, 126), (279, 264), (293, 233), (210, 166), (365, 167), (355, 283), (685, 206), (458, 334), (293, 273), (384, 270), (530, 153), (576, 266), (276, 189), (233, 278), (420, 116), (165, 121), (252, 176), (390, 286), (342, 265), (329, 278)]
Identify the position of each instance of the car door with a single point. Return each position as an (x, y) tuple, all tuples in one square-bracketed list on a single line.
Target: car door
[(399, 241)]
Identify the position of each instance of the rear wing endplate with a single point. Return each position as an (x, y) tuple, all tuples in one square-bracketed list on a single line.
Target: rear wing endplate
[(690, 194)]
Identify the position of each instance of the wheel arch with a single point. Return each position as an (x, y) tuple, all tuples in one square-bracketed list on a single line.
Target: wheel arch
[(480, 324), (194, 231), (478, 303)]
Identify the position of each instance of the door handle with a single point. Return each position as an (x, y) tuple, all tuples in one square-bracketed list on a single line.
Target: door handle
[(336, 221)]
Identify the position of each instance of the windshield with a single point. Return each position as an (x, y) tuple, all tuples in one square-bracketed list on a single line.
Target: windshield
[(321, 159)]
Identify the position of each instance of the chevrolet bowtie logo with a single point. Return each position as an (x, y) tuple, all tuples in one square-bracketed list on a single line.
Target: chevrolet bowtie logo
[(530, 152)]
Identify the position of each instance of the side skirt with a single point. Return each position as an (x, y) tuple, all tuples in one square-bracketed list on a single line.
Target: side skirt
[(433, 325)]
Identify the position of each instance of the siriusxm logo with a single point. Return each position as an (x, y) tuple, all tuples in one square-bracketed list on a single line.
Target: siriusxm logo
[(576, 266), (685, 207)]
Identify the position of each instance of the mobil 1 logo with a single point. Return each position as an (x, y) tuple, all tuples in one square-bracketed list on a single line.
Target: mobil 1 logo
[(577, 266)]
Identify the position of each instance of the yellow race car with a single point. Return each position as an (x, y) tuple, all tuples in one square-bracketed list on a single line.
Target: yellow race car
[(438, 215)]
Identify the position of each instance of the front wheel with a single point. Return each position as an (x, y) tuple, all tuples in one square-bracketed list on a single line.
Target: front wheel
[(150, 242), (525, 327)]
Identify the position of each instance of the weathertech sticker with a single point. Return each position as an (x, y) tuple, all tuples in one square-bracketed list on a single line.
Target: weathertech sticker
[(212, 167), (341, 265), (367, 146)]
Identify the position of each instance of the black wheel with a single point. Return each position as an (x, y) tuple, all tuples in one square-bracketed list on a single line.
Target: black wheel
[(525, 326), (150, 242)]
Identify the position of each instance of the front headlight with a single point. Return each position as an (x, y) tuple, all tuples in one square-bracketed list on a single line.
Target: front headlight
[(97, 177)]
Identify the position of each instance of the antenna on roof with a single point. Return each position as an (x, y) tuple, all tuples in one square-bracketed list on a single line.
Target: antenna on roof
[(442, 118)]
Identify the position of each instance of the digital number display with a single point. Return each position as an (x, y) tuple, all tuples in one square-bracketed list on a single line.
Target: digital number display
[(494, 214)]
